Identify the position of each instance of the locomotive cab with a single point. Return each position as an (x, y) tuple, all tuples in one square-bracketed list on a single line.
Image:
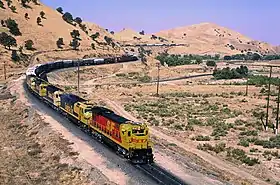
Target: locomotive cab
[(43, 89), (139, 143)]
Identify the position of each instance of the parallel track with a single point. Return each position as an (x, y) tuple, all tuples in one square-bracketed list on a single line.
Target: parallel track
[(160, 175)]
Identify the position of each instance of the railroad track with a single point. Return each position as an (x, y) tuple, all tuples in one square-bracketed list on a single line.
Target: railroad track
[(160, 175)]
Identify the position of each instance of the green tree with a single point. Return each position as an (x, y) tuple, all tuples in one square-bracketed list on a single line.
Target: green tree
[(75, 34), (15, 56), (13, 27), (95, 36), (42, 14), (35, 2), (256, 56), (39, 21), (211, 63), (7, 40), (83, 27), (68, 17), (14, 9), (226, 57), (2, 5), (78, 20), (108, 40), (3, 23), (60, 42), (60, 10), (26, 16), (93, 46), (29, 45), (24, 3), (142, 32), (74, 44)]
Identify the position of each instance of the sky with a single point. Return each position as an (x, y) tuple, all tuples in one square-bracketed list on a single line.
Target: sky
[(257, 19)]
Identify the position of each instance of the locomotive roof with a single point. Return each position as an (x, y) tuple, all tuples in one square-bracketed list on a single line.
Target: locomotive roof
[(107, 113), (72, 97)]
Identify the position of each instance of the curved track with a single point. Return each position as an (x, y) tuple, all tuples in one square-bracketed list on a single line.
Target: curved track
[(157, 173)]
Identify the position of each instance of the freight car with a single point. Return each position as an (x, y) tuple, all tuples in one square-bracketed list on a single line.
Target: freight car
[(126, 137)]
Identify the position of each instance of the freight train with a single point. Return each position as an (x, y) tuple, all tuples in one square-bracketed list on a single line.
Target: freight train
[(128, 138)]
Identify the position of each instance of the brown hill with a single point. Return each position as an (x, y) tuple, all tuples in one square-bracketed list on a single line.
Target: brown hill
[(211, 38), (52, 28), (277, 49), (129, 36)]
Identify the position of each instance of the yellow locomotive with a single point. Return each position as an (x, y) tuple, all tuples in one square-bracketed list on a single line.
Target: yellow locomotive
[(126, 137)]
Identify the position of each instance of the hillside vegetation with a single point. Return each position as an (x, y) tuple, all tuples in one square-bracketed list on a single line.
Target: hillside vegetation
[(42, 28)]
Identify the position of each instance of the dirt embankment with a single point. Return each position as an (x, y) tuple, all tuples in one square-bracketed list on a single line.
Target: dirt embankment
[(31, 153)]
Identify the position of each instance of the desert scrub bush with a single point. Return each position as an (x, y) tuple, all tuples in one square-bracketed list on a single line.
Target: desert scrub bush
[(121, 75), (221, 129), (189, 127), (269, 154), (244, 142), (127, 107), (201, 138), (220, 147), (178, 127), (145, 78), (195, 122), (241, 156), (249, 133), (253, 150), (239, 122), (273, 142)]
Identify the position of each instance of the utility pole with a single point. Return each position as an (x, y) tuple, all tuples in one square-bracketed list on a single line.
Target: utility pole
[(5, 75), (78, 77), (158, 66), (277, 114), (268, 96), (246, 93)]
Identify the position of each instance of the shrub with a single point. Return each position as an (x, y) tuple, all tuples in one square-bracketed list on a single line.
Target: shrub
[(211, 63), (145, 78), (35, 2), (78, 20), (60, 43), (142, 32), (39, 21), (240, 155), (13, 27), (249, 133), (13, 8), (7, 40), (244, 142), (29, 45), (227, 73), (93, 46), (218, 148), (60, 10), (42, 14), (3, 23), (74, 44), (201, 138), (75, 34), (68, 17), (15, 56), (2, 5), (26, 16)]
